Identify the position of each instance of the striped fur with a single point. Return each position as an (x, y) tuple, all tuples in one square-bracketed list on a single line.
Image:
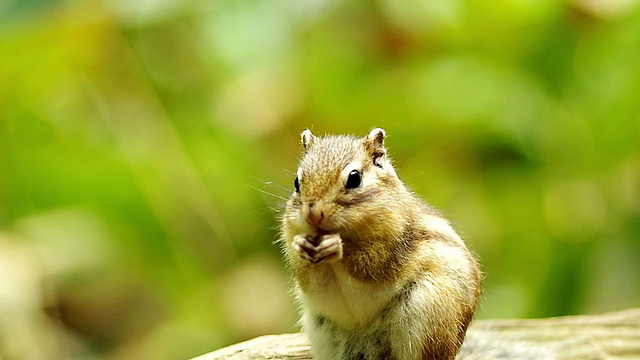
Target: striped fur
[(397, 281)]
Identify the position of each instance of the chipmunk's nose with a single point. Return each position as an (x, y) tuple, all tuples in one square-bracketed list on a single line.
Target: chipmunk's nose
[(315, 214)]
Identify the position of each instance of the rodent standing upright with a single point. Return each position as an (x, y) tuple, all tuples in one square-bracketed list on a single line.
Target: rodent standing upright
[(379, 274)]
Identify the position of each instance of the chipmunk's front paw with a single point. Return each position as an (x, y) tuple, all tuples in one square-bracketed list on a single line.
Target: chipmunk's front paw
[(320, 248)]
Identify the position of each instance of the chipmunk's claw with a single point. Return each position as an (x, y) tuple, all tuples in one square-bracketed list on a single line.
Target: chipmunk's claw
[(326, 247)]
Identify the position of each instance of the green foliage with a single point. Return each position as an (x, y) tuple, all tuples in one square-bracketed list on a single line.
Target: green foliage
[(146, 149)]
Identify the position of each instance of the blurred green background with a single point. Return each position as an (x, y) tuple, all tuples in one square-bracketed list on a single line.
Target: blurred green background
[(146, 149)]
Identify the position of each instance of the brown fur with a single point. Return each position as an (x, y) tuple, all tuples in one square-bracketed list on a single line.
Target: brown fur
[(403, 284)]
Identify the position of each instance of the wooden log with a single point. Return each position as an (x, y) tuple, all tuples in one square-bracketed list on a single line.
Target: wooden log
[(606, 336)]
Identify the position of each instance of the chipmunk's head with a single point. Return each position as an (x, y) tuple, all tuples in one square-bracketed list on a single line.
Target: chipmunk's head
[(344, 184)]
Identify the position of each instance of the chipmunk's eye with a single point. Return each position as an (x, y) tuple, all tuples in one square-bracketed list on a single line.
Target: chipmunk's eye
[(354, 180), (296, 184)]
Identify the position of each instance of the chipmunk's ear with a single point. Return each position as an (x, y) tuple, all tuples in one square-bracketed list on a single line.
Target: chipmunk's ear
[(374, 142), (306, 138)]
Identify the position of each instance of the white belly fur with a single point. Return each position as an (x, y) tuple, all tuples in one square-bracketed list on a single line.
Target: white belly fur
[(334, 294)]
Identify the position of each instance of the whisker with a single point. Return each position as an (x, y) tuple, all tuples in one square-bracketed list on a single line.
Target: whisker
[(281, 193), (279, 197), (278, 186)]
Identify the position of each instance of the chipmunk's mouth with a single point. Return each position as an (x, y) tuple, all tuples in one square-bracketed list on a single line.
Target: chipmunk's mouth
[(317, 232), (323, 229)]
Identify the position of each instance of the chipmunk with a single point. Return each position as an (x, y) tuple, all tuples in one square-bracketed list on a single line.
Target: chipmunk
[(378, 273)]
